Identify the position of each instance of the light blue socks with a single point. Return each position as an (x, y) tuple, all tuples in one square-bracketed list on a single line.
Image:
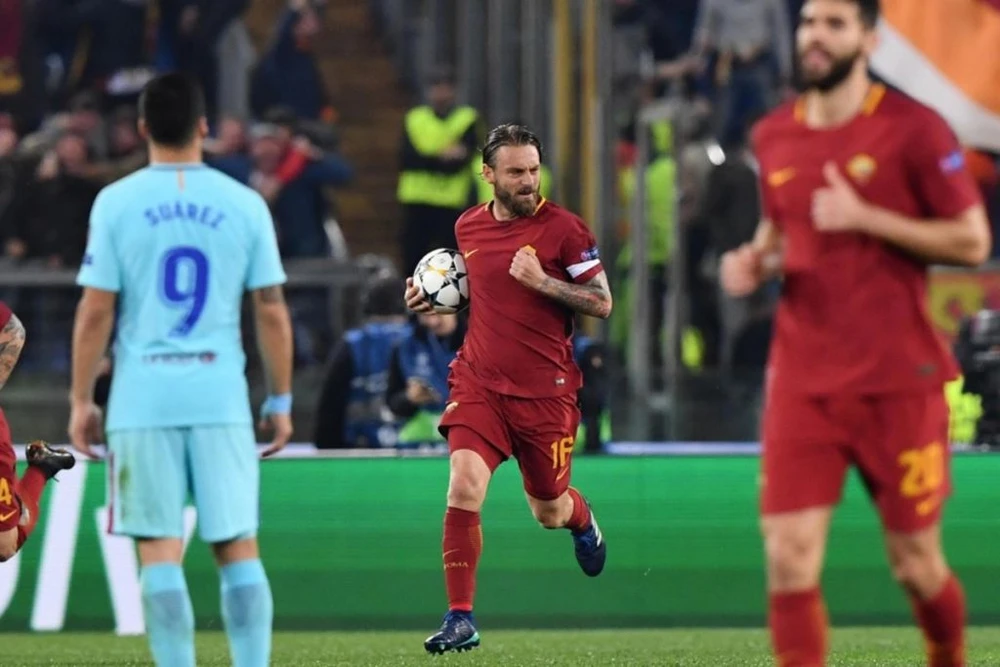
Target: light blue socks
[(169, 616), (248, 611)]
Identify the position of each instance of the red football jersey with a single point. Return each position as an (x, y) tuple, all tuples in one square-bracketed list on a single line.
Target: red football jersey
[(519, 342), (853, 311)]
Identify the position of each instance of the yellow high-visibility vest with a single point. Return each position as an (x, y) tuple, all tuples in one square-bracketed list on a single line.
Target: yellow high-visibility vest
[(430, 136)]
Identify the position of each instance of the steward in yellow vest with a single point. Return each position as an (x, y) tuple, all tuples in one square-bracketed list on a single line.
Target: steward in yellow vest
[(435, 182)]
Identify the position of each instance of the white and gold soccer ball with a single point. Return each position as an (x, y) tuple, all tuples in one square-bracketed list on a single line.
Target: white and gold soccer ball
[(444, 280)]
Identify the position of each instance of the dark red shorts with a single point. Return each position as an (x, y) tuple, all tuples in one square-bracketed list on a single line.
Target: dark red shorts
[(538, 432), (898, 443), (10, 506)]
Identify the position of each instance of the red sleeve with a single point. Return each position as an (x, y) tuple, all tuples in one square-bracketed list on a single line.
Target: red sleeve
[(937, 169), (5, 314), (578, 252)]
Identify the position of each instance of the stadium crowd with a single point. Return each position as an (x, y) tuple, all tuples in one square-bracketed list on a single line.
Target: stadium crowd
[(70, 74)]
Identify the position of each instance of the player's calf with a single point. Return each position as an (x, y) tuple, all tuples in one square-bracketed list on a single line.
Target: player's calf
[(936, 595), (572, 511), (793, 545)]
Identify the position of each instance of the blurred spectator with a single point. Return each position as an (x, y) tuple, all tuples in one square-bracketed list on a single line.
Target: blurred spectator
[(126, 149), (732, 212), (230, 139), (22, 91), (53, 211), (418, 376), (191, 31), (352, 410), (97, 45), (749, 41), (290, 173), (660, 188), (287, 74), (437, 155), (594, 430), (50, 229)]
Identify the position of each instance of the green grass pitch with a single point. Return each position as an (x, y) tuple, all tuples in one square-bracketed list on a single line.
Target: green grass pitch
[(870, 647)]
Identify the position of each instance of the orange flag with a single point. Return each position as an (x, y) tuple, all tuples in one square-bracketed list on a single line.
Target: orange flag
[(946, 53)]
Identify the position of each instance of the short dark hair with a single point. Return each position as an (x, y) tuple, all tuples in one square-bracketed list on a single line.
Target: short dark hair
[(509, 134), (171, 106), (869, 11)]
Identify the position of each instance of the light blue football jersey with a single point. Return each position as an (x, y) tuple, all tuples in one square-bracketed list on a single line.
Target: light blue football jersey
[(180, 244)]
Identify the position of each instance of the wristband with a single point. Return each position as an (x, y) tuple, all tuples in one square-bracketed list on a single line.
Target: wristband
[(277, 405)]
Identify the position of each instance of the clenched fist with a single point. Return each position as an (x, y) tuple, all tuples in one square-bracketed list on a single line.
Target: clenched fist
[(526, 268)]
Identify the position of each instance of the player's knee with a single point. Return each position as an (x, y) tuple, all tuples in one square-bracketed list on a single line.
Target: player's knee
[(548, 515), (467, 491), (793, 560), (919, 568)]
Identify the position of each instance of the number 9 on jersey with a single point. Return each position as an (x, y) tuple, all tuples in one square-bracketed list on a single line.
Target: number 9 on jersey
[(184, 285)]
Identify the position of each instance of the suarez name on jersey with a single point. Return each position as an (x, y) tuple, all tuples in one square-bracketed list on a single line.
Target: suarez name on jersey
[(519, 342), (853, 315)]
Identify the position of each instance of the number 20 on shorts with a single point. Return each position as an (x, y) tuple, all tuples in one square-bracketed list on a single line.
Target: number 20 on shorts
[(923, 470), (561, 450)]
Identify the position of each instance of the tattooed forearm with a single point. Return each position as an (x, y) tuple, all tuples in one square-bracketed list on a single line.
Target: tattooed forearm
[(11, 344), (592, 298)]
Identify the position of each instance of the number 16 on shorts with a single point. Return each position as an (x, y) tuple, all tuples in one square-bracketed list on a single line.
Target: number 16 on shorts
[(562, 449)]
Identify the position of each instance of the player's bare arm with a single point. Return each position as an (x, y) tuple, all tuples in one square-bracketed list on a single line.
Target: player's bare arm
[(744, 269), (591, 298), (11, 344), (274, 339), (961, 241), (95, 317)]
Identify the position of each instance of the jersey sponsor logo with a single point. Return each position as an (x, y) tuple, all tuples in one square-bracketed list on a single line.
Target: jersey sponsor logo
[(952, 162), (862, 167), (590, 254), (206, 357), (778, 178), (469, 253)]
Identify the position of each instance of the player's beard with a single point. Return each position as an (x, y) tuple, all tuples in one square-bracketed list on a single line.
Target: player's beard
[(840, 69), (520, 207)]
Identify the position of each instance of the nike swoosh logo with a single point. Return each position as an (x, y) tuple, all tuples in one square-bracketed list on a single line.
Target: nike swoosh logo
[(562, 473), (469, 253), (450, 552), (778, 178), (4, 517)]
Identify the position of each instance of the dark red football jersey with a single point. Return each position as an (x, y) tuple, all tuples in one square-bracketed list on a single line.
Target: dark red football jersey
[(519, 342), (853, 311)]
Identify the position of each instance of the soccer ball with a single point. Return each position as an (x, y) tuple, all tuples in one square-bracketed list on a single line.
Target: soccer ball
[(444, 280)]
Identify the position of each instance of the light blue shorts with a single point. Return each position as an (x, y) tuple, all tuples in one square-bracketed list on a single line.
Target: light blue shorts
[(153, 472)]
